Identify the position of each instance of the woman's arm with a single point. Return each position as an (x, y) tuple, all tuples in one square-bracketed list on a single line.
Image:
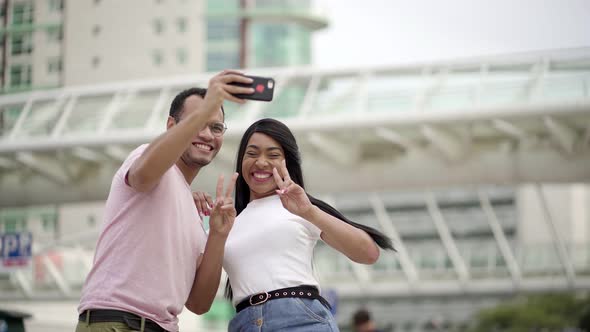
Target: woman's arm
[(208, 275), (355, 243)]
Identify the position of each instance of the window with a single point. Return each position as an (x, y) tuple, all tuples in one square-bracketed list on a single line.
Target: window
[(55, 35), (21, 43), (8, 117), (91, 221), (222, 60), (158, 57), (54, 65), (222, 4), (22, 13), (20, 75), (96, 30), (56, 5), (17, 42), (181, 56), (13, 220), (13, 225), (282, 4), (49, 222), (181, 24), (223, 29), (158, 26)]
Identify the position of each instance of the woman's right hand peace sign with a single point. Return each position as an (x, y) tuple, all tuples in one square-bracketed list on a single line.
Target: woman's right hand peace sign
[(293, 196), (223, 212)]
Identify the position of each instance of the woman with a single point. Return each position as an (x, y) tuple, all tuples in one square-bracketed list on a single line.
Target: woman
[(268, 253)]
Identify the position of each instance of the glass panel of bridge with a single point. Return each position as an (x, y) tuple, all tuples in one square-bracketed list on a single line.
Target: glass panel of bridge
[(505, 85), (335, 96), (357, 208), (409, 215), (88, 115), (422, 242), (136, 111), (42, 118), (161, 115), (539, 259), (455, 90), (564, 87), (331, 265), (395, 91), (472, 233), (9, 115), (501, 92), (288, 99), (238, 113), (580, 253)]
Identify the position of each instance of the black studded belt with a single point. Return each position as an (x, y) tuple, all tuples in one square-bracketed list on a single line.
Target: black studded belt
[(306, 292)]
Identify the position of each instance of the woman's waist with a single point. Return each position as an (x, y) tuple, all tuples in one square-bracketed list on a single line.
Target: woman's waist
[(242, 290)]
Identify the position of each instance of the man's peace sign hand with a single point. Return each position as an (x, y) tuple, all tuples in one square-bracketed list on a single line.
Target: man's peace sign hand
[(223, 212)]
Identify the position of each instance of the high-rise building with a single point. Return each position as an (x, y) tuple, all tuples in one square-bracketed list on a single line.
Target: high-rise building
[(109, 40), (55, 43), (260, 33), (31, 44)]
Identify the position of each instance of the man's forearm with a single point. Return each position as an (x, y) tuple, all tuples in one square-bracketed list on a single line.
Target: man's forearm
[(164, 151), (208, 276)]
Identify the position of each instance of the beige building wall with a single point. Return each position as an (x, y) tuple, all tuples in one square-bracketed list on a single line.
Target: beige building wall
[(47, 61), (113, 40), (81, 218), (533, 225), (569, 207)]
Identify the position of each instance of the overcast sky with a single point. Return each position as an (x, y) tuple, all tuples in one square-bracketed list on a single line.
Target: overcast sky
[(372, 32)]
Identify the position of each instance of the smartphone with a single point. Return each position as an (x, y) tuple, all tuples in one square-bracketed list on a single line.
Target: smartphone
[(264, 88)]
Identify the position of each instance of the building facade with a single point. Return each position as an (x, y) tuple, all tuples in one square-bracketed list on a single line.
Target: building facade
[(53, 43)]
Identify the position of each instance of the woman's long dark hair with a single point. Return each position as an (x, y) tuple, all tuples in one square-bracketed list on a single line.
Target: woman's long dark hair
[(281, 133)]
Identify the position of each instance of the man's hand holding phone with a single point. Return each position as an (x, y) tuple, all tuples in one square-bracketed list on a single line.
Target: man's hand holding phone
[(220, 88), (263, 88)]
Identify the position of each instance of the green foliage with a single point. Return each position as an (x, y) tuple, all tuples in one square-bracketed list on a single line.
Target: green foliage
[(552, 312)]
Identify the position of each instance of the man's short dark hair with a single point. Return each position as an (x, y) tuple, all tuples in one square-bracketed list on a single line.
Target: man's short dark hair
[(178, 101), (360, 317)]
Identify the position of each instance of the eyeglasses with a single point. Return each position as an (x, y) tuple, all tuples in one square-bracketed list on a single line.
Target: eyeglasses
[(217, 128)]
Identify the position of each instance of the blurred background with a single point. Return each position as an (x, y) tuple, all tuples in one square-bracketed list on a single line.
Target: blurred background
[(459, 128)]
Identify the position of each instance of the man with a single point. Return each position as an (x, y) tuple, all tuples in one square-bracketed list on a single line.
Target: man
[(153, 256), (362, 322)]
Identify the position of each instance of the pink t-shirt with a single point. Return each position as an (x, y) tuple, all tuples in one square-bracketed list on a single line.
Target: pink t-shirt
[(147, 252)]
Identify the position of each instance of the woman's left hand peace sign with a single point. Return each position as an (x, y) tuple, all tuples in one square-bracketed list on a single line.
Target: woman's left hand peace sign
[(292, 195)]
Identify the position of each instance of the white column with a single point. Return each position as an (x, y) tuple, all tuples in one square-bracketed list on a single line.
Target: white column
[(580, 219)]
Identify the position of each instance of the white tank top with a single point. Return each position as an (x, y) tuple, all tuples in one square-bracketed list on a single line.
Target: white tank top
[(269, 248)]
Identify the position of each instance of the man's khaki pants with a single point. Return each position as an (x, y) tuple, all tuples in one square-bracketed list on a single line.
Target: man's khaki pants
[(104, 327)]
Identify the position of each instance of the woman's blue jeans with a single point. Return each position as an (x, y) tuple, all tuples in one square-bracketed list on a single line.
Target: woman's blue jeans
[(286, 314)]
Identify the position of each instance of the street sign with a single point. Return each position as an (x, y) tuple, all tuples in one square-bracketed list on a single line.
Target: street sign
[(15, 250)]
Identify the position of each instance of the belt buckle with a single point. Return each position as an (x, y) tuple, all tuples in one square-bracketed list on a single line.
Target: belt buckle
[(259, 298)]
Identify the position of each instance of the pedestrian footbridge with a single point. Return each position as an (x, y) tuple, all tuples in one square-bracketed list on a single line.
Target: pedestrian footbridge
[(488, 123)]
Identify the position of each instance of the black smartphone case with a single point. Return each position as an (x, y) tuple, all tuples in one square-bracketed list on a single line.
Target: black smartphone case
[(264, 88)]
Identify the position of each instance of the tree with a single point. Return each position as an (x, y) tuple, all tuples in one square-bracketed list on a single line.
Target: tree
[(551, 312)]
